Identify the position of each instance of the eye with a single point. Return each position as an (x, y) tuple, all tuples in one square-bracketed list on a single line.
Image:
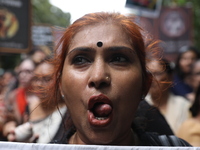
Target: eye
[(119, 58), (80, 60)]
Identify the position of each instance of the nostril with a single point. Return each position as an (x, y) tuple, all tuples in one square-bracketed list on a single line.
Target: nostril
[(98, 84), (92, 84), (99, 81)]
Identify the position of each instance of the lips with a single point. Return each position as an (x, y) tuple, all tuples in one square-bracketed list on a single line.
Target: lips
[(99, 110)]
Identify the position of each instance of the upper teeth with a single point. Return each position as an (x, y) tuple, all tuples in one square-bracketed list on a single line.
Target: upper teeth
[(100, 118)]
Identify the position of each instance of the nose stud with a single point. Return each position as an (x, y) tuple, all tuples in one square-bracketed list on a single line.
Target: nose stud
[(107, 78)]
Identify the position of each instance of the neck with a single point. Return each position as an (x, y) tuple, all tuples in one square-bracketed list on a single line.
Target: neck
[(129, 140), (160, 100)]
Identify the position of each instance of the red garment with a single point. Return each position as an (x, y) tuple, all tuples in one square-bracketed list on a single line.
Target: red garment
[(21, 100)]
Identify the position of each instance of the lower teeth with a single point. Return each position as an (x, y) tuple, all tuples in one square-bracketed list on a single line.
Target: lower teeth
[(100, 118)]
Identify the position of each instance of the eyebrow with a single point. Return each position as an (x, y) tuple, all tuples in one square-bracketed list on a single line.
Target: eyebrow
[(119, 48), (113, 48), (86, 49)]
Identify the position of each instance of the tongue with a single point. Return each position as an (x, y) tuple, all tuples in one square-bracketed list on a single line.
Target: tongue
[(102, 110)]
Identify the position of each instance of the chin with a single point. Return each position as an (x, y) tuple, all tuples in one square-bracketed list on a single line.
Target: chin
[(101, 139)]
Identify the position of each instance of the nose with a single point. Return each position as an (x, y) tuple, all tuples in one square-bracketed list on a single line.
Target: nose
[(99, 76)]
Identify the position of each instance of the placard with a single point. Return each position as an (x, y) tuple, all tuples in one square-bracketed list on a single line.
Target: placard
[(15, 16), (42, 35)]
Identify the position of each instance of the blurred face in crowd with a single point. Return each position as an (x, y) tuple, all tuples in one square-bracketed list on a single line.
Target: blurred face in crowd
[(38, 56), (7, 77), (196, 75), (186, 61), (102, 84), (43, 74), (161, 80), (25, 72)]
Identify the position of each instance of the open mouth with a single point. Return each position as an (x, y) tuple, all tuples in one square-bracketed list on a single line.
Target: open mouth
[(100, 110)]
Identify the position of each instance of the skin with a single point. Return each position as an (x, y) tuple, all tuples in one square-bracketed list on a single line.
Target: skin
[(26, 69), (160, 84), (186, 61), (38, 111), (195, 80), (160, 76), (196, 75), (43, 69), (84, 75)]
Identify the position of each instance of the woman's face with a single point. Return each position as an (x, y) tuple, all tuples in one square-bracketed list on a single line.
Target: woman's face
[(162, 79), (25, 73), (43, 75), (186, 61), (102, 108), (196, 75)]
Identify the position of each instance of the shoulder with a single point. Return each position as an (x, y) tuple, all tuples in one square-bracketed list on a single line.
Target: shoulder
[(191, 122), (179, 99), (189, 128), (166, 140), (172, 140)]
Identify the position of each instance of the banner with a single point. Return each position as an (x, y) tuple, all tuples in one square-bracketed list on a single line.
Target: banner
[(15, 26), (174, 28), (31, 146)]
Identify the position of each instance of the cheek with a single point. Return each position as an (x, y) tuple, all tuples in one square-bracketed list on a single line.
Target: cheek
[(132, 95), (130, 86), (196, 81), (72, 85)]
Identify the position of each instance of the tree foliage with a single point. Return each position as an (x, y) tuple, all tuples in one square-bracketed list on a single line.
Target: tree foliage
[(45, 13)]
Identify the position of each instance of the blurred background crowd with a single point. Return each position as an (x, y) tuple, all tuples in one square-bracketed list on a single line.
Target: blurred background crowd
[(176, 109)]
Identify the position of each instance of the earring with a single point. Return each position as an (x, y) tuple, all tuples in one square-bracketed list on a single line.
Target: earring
[(63, 97)]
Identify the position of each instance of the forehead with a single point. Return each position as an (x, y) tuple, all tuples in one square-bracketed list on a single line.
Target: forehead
[(189, 54), (108, 34), (44, 69), (155, 66), (26, 64)]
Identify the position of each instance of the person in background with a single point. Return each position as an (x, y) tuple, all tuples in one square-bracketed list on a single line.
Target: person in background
[(195, 80), (182, 79), (46, 122), (25, 74), (174, 108), (190, 129), (16, 101), (8, 78), (101, 75), (39, 53)]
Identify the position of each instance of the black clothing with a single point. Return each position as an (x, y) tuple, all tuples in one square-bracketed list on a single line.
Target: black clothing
[(150, 119), (144, 138)]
